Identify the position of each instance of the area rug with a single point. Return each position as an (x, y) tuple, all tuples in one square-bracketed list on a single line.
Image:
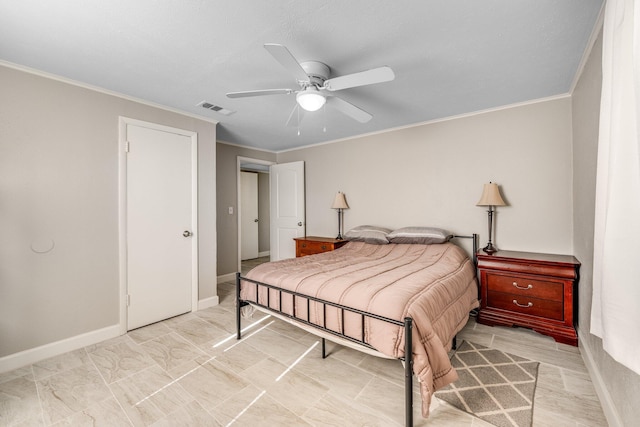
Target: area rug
[(493, 385)]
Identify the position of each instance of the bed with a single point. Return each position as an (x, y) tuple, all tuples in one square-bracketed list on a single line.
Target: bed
[(405, 301)]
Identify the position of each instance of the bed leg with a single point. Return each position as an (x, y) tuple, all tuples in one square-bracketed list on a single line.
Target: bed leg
[(239, 335), (408, 372), (324, 349)]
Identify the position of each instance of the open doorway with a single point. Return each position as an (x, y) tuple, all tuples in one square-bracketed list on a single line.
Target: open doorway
[(257, 170)]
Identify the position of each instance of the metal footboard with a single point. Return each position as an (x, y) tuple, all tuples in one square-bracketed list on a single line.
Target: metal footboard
[(407, 324)]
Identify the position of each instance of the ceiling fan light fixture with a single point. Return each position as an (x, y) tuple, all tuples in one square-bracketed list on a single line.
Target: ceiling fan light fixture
[(310, 99)]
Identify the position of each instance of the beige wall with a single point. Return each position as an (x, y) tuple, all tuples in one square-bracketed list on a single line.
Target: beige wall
[(59, 180), (227, 196), (433, 174), (622, 384)]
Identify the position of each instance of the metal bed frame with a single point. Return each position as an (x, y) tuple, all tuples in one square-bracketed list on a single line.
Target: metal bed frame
[(407, 323)]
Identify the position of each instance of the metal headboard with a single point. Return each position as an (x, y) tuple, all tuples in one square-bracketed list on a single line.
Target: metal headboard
[(474, 237)]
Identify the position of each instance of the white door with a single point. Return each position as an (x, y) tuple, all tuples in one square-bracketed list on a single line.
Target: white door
[(287, 206), (161, 250), (249, 214)]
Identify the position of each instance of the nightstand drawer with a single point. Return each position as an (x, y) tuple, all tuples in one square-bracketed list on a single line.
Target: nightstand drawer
[(312, 245), (526, 305), (525, 287), (310, 248)]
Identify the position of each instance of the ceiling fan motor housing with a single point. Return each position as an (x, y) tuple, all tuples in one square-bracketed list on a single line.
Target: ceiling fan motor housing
[(318, 72)]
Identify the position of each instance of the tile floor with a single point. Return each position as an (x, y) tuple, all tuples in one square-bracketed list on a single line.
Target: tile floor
[(191, 371)]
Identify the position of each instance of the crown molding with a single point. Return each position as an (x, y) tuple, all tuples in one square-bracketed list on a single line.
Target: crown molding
[(76, 83), (430, 122)]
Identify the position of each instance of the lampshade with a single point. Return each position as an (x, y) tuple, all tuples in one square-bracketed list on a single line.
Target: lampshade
[(310, 99), (340, 202), (491, 196)]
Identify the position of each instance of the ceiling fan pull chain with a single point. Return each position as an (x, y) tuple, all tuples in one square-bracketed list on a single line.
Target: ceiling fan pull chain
[(324, 114)]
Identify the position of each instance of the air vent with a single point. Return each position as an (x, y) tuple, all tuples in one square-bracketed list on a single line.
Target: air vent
[(216, 108)]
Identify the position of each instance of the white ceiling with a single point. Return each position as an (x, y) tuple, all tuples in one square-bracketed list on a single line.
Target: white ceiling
[(450, 57)]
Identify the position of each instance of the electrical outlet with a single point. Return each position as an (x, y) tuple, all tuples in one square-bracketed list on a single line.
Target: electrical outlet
[(230, 210)]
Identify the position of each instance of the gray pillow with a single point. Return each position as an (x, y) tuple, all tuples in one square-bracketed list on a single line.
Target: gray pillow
[(368, 234), (420, 235)]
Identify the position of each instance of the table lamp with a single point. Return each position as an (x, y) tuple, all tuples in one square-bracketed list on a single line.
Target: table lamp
[(340, 203), (491, 198)]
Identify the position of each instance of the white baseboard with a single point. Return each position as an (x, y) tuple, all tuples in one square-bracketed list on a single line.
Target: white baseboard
[(231, 277), (208, 302), (33, 355), (606, 401), (265, 253)]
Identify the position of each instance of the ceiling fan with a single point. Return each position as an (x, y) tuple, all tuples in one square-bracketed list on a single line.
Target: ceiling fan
[(316, 86)]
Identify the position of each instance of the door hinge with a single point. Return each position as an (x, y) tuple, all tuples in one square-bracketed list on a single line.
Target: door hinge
[(126, 147), (128, 300)]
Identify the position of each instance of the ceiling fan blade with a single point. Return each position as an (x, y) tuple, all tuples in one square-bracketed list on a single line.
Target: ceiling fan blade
[(369, 77), (287, 60), (349, 109), (263, 92), (296, 116)]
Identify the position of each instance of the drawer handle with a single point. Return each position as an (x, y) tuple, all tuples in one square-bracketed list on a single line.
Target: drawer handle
[(304, 245), (529, 304), (324, 247), (515, 284)]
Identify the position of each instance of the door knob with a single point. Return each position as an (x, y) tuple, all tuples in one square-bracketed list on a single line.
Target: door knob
[(255, 220), (187, 233), (300, 224)]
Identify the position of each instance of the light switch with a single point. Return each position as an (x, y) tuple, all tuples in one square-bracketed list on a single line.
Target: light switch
[(230, 210)]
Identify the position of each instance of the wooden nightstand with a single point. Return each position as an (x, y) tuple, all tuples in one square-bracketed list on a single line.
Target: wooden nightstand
[(537, 291), (311, 245)]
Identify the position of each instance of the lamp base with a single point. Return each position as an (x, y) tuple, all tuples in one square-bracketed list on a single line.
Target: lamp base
[(339, 224), (490, 249)]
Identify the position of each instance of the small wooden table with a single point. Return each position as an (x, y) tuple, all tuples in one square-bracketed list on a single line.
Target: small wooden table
[(533, 290), (311, 245)]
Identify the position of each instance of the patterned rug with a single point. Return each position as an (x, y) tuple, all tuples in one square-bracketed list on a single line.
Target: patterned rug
[(495, 386)]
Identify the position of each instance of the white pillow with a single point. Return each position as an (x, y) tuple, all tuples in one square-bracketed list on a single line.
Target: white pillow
[(368, 234), (419, 235)]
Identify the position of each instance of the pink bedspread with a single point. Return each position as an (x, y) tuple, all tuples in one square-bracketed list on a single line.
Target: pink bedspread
[(435, 285)]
